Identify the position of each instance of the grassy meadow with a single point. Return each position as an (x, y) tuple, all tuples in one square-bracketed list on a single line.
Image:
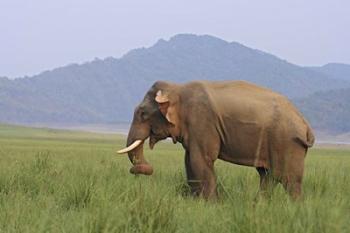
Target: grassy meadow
[(65, 181)]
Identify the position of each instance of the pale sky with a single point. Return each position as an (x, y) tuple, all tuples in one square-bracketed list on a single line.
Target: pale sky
[(36, 35)]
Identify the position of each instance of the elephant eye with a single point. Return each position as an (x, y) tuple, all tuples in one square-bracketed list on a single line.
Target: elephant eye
[(143, 115)]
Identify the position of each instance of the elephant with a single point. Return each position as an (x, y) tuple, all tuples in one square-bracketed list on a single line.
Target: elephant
[(235, 121)]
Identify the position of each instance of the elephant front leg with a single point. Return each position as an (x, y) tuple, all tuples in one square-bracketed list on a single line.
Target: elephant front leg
[(200, 175)]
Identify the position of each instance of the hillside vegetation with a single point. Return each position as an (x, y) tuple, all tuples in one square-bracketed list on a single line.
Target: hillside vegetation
[(328, 111), (336, 71), (106, 91)]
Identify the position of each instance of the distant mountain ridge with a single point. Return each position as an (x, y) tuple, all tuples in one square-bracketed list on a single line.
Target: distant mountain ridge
[(106, 91), (327, 110), (334, 70)]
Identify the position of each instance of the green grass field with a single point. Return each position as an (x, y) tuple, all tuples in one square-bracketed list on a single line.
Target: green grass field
[(64, 181)]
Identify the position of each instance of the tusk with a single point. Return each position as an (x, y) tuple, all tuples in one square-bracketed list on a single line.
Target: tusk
[(131, 147)]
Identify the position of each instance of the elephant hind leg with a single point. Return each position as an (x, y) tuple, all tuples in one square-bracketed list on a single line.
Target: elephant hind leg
[(293, 186), (292, 177), (267, 182)]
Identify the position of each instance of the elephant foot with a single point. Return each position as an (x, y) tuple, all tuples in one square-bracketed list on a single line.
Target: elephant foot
[(144, 169)]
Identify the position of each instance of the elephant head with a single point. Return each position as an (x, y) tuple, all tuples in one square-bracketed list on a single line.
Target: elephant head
[(156, 118)]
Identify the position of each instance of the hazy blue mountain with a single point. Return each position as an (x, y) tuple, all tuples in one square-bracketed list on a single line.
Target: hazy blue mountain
[(328, 110), (106, 91), (334, 70)]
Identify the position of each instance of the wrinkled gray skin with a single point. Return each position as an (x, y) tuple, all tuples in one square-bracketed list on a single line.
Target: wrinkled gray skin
[(234, 121)]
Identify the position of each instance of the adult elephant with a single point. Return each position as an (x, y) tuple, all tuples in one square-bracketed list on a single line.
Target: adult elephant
[(235, 121)]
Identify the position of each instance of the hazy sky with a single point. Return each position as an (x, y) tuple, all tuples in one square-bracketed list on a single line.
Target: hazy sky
[(36, 35)]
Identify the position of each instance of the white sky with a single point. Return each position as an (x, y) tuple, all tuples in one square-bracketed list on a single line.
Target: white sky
[(36, 35)]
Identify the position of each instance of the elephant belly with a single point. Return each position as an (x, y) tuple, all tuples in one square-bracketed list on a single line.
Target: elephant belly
[(246, 145)]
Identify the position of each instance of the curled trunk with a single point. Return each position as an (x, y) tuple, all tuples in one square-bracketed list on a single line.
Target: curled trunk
[(140, 165)]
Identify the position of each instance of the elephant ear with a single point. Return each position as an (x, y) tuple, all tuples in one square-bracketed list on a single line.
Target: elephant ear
[(167, 106)]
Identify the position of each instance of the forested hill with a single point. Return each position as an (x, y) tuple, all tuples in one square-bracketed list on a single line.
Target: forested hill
[(334, 70), (106, 91), (328, 110)]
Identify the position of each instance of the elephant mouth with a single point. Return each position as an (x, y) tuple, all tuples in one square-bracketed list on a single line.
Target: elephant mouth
[(153, 139)]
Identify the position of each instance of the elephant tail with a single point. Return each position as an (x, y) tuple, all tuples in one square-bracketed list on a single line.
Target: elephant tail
[(309, 139)]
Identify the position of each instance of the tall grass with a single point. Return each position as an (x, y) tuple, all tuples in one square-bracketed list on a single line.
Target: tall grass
[(53, 181)]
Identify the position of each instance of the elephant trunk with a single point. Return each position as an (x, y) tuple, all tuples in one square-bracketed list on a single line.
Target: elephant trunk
[(136, 155), (138, 134)]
